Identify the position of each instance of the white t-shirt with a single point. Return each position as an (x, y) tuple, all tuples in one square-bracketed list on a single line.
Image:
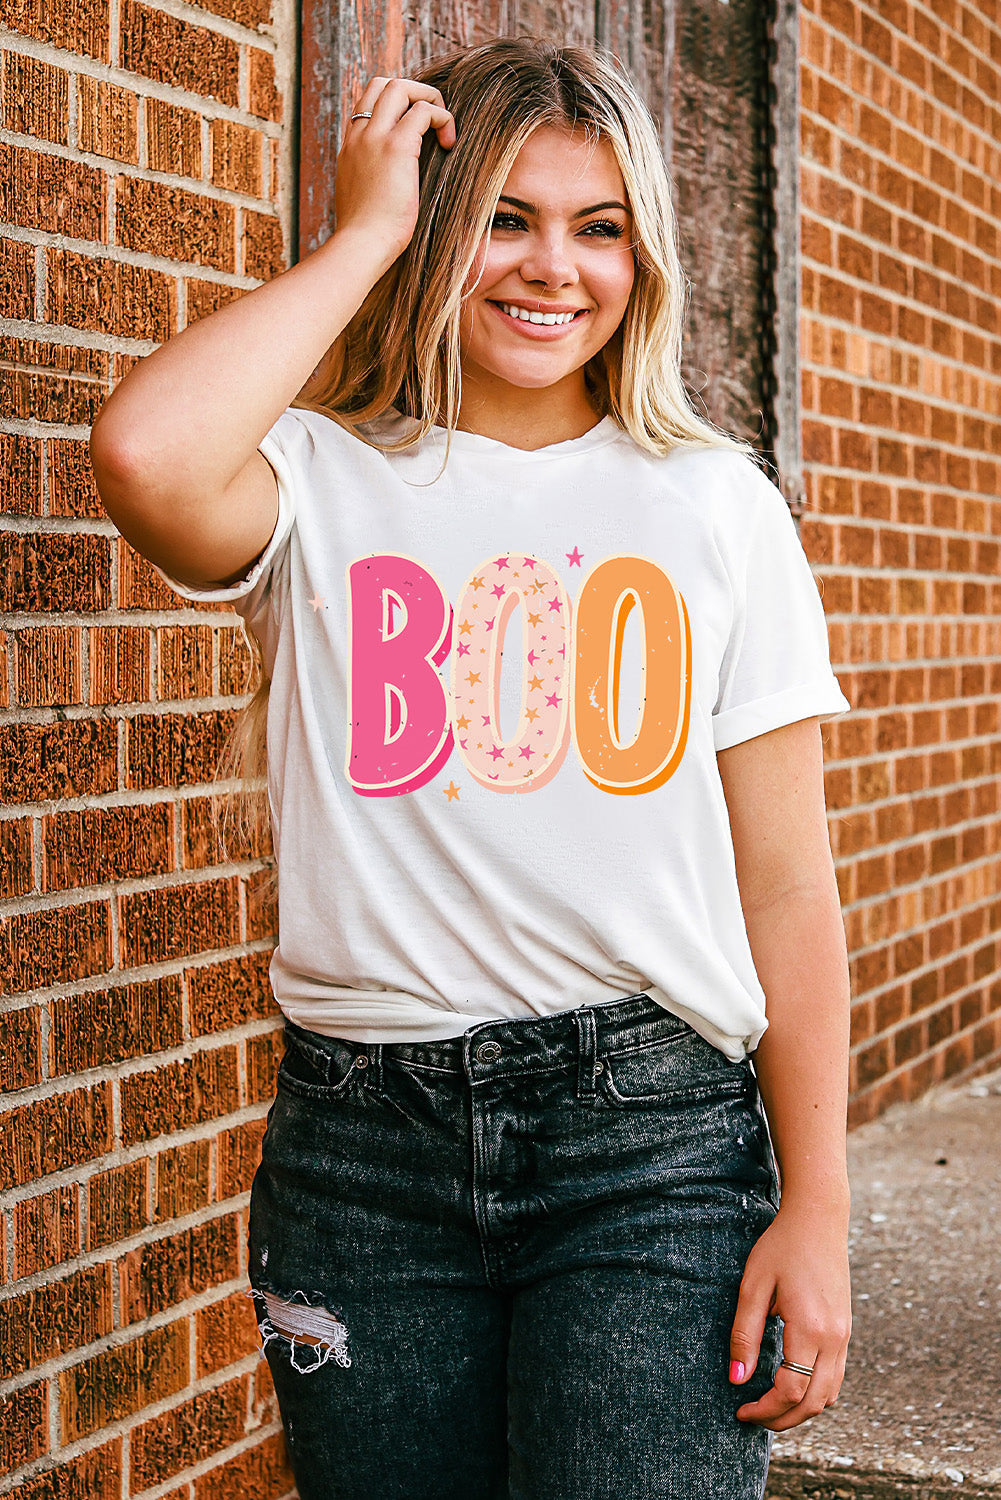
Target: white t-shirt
[(463, 836)]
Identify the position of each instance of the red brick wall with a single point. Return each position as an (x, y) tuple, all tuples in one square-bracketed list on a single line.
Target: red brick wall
[(901, 290), (145, 177)]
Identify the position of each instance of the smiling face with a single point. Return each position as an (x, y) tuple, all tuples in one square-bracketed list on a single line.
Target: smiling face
[(560, 247)]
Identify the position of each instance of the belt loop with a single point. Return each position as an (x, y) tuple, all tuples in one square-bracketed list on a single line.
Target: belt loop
[(587, 1033), (374, 1070)]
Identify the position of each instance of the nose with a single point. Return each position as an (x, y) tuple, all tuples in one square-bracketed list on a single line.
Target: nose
[(546, 259)]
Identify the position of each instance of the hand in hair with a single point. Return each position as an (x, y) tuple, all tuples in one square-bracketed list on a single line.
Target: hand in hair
[(377, 185)]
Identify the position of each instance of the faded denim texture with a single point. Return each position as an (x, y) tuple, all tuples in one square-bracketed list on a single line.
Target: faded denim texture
[(523, 1248)]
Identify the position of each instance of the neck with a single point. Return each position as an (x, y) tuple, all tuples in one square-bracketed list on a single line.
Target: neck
[(524, 418)]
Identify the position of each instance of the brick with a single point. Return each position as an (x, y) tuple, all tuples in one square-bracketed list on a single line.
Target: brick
[(239, 673), (264, 1053), (94, 1475), (178, 1094), (139, 585), (101, 845), (251, 13), (206, 297), (20, 1049), (173, 139), (51, 1134), (262, 1471), (157, 218), (36, 97), (71, 489), (46, 1231), (109, 296), (229, 993), (50, 381), (54, 571), (238, 1155), (17, 300), (261, 902), (52, 193), (207, 839), (189, 1433), (175, 921), (175, 749), (264, 99), (107, 120), (17, 875), (173, 51), (119, 664), (182, 1180), (263, 245), (24, 1426), (164, 1272), (54, 1318), (96, 1028), (48, 666), (183, 662), (225, 1333), (117, 1382), (237, 157), (40, 948), (117, 1203)]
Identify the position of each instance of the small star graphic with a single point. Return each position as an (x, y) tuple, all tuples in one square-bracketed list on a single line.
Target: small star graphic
[(500, 562), (477, 583), (495, 752), (574, 558), (485, 718), (465, 627), (526, 751), (529, 562), (553, 700), (499, 590), (318, 602), (452, 792), (555, 604), (535, 682), (464, 648), (534, 619), (472, 677)]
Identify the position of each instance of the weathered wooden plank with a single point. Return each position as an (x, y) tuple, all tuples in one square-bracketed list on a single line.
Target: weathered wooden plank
[(718, 147), (642, 37)]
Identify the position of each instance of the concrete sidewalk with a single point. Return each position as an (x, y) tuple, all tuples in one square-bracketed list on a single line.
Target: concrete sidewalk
[(920, 1409)]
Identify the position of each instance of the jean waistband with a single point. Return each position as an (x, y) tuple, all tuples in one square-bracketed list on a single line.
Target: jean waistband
[(526, 1043)]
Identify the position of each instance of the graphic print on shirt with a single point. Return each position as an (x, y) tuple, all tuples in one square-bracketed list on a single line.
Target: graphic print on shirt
[(402, 721)]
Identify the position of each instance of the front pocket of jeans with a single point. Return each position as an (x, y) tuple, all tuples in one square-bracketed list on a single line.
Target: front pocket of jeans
[(312, 1078), (678, 1066)]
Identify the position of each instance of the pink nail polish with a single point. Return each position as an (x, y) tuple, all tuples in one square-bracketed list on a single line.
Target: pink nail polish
[(736, 1370)]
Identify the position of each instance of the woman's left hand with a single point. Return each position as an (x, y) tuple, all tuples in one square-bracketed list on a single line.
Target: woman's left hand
[(798, 1270)]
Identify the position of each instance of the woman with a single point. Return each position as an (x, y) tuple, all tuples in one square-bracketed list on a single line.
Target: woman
[(516, 1231)]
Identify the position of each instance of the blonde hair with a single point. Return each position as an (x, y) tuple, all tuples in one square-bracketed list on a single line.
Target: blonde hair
[(401, 348)]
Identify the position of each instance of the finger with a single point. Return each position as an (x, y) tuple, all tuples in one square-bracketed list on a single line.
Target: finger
[(748, 1328), (794, 1398), (397, 95)]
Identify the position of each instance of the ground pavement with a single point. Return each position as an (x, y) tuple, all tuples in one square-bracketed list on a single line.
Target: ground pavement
[(920, 1409)]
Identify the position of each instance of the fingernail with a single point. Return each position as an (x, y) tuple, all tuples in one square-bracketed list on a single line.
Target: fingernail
[(736, 1370)]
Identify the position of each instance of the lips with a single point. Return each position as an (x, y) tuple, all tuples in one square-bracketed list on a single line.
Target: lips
[(537, 330)]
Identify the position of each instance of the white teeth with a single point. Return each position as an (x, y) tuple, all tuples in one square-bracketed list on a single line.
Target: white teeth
[(536, 317)]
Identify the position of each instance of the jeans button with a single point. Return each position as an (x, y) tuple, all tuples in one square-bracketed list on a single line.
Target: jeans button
[(361, 1061), (487, 1051)]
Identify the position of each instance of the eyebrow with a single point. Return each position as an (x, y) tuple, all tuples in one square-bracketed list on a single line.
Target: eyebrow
[(581, 213)]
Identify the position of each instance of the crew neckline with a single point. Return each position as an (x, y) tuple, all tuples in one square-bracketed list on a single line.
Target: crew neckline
[(604, 431)]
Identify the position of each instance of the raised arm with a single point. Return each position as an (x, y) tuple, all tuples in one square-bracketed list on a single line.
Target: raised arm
[(174, 448), (798, 1269)]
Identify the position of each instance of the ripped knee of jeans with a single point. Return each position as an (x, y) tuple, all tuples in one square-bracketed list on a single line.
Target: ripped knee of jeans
[(312, 1332)]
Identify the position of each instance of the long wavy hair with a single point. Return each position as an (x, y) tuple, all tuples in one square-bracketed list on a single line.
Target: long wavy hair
[(401, 348)]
